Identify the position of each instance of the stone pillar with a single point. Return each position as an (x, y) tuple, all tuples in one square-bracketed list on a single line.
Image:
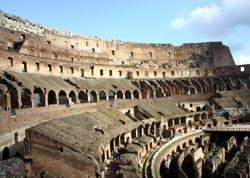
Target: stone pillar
[(19, 102), (46, 100), (8, 104)]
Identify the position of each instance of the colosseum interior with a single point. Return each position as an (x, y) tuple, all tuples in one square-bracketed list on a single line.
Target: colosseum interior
[(77, 106)]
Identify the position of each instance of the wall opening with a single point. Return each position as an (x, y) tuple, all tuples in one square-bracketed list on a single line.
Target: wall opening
[(61, 69), (26, 98), (6, 153), (72, 96), (102, 96), (62, 98), (93, 96), (82, 97), (10, 61), (111, 95), (82, 72), (127, 94), (150, 54), (136, 94), (24, 66), (101, 72), (52, 97), (49, 68), (119, 95), (71, 70)]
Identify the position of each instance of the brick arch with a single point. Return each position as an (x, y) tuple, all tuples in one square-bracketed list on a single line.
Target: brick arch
[(26, 98), (102, 95), (62, 97), (128, 94), (136, 94), (6, 153), (119, 94), (93, 96), (52, 99), (111, 95), (82, 97), (72, 95), (39, 97)]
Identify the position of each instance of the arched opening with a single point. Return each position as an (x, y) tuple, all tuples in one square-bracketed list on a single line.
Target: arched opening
[(39, 97), (18, 155), (112, 144), (122, 138), (133, 134), (102, 96), (62, 98), (72, 97), (204, 108), (163, 169), (6, 153), (82, 97), (203, 116), (127, 94), (52, 97), (26, 98), (198, 109), (111, 95), (178, 149), (146, 130), (196, 117), (93, 96), (140, 131), (3, 96), (190, 142), (119, 95), (198, 140), (184, 145), (14, 97), (189, 168), (117, 141), (136, 94), (103, 156), (192, 91)]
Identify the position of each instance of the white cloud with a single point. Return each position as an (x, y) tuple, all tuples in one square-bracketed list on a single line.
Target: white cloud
[(242, 59), (215, 20)]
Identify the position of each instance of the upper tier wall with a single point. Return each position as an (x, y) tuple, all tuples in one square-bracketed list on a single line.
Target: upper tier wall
[(213, 54)]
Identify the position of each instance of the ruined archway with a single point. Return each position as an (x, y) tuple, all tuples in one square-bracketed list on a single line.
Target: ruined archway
[(93, 96), (119, 94), (62, 98), (136, 94), (18, 155), (6, 153), (3, 96), (189, 168), (39, 97), (111, 95), (203, 116), (82, 97), (128, 95), (72, 96), (26, 98), (52, 97), (102, 96)]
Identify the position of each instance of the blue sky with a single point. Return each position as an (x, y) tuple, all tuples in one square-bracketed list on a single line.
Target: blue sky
[(158, 21)]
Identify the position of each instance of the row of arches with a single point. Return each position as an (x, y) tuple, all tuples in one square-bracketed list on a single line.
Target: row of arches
[(93, 96), (14, 99), (7, 154)]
